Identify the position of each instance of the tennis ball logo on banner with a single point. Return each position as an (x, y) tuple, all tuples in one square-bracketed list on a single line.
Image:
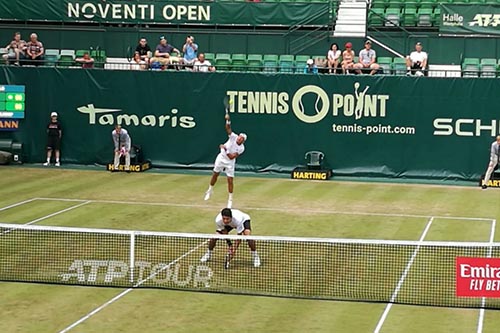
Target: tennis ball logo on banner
[(311, 104)]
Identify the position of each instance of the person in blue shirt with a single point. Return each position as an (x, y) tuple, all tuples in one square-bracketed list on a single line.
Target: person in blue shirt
[(310, 68), (190, 50)]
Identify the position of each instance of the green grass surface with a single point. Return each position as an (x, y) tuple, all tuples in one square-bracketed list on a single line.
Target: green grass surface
[(174, 202)]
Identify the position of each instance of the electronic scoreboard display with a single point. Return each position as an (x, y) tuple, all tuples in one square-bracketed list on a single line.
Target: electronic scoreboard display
[(12, 99)]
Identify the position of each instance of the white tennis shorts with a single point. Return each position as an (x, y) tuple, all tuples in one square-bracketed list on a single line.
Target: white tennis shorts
[(223, 166)]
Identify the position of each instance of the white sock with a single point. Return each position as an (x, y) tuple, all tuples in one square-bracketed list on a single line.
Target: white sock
[(231, 196), (48, 160), (57, 160), (408, 68), (210, 187), (254, 254)]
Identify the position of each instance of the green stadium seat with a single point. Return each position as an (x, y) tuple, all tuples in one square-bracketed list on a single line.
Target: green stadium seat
[(51, 57), (80, 53), (223, 61), (392, 17), (436, 16), (239, 62), (488, 67), (300, 63), (425, 17), (254, 62), (210, 57), (66, 58), (399, 66), (376, 17), (386, 64), (286, 62), (270, 62), (410, 15), (470, 67)]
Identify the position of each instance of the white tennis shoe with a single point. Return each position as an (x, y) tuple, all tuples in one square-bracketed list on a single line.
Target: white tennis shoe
[(256, 261), (208, 194), (58, 164), (206, 257), (46, 164)]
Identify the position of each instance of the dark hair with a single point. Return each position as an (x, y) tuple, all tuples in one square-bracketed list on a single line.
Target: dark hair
[(226, 212), (335, 45)]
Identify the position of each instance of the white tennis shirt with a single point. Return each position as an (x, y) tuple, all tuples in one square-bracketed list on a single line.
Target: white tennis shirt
[(236, 221)]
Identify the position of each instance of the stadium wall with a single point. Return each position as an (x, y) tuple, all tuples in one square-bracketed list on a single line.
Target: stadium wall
[(406, 127)]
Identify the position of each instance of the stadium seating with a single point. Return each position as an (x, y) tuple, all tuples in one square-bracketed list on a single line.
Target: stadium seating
[(254, 62), (66, 58), (488, 67), (270, 62), (239, 62), (51, 57), (286, 63), (470, 67), (223, 61), (300, 63), (386, 64), (399, 66)]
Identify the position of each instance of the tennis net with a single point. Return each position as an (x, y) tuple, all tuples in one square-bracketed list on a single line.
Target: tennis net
[(407, 272)]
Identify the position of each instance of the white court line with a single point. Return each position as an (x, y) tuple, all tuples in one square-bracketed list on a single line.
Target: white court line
[(302, 210), (49, 216), (126, 291), (483, 300), (402, 279), (18, 204)]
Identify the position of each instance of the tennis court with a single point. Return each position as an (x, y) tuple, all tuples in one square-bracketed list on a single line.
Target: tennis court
[(174, 203)]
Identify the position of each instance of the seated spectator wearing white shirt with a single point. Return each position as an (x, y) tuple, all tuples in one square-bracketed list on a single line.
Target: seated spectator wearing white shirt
[(203, 65), (416, 62), (366, 60), (333, 57)]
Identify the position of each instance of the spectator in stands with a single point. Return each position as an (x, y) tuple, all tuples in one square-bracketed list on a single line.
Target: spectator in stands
[(190, 50), (34, 51), (366, 60), (333, 58), (311, 67), (203, 65), (15, 49), (138, 63), (347, 58), (86, 61), (163, 53), (144, 50), (416, 62)]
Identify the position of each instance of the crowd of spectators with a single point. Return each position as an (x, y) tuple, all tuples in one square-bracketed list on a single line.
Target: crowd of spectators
[(166, 56)]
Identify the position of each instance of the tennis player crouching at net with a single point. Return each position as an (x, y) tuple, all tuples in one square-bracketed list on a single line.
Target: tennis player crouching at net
[(227, 220)]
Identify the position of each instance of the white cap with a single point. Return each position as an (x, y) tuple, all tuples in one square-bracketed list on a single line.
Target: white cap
[(244, 136), (310, 61), (53, 114)]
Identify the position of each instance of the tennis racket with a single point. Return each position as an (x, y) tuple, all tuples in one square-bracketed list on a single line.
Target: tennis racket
[(229, 256), (227, 104)]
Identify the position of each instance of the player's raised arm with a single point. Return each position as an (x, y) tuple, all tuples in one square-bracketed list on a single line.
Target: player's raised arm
[(228, 124)]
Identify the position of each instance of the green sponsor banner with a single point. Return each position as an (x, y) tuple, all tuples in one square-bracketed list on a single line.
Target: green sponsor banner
[(365, 125), (467, 19), (167, 12)]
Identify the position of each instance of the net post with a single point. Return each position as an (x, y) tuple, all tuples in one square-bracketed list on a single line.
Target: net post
[(132, 256)]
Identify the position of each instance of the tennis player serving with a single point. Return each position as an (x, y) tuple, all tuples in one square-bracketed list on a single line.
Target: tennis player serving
[(226, 160), (227, 220)]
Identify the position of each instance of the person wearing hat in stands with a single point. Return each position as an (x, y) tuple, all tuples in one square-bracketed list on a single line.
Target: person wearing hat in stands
[(347, 58), (366, 61), (54, 134), (416, 62), (310, 68)]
